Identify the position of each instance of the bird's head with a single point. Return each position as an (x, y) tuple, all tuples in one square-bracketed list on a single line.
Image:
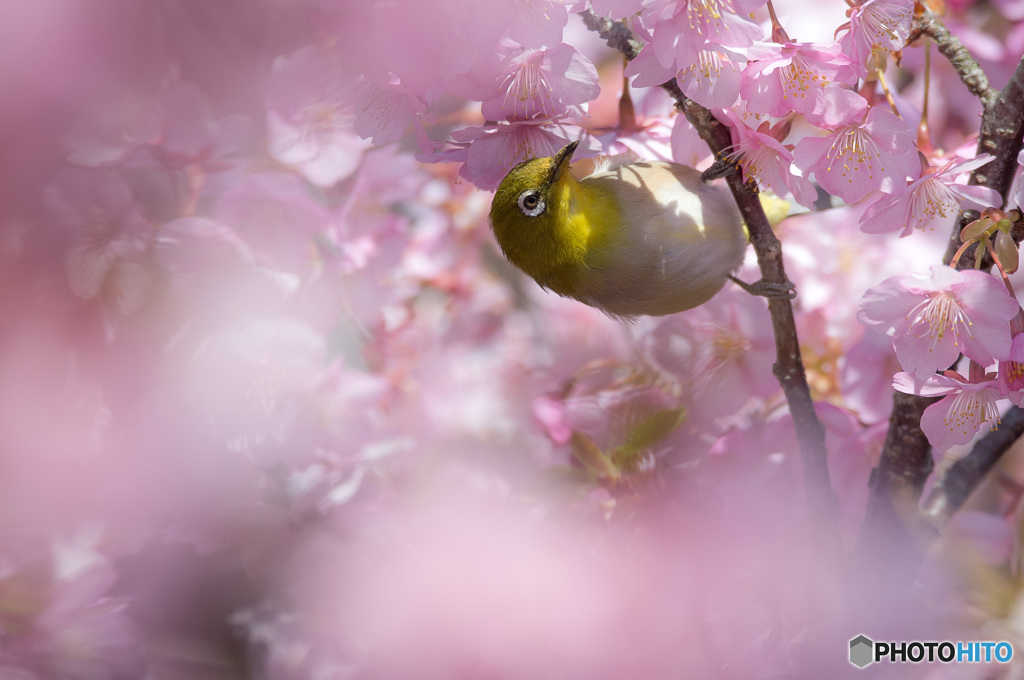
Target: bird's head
[(529, 214)]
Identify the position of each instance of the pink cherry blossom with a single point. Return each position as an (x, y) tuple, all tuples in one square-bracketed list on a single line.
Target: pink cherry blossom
[(687, 146), (653, 141), (677, 33), (195, 244), (966, 407), (853, 453), (537, 23), (1011, 372), (935, 318), (732, 344), (649, 71), (546, 83), (835, 107), (647, 133), (835, 263), (109, 237), (190, 132), (491, 152), (310, 114), (713, 79), (931, 201), (337, 431), (866, 377), (170, 128), (551, 414), (861, 155), (725, 341), (873, 25), (767, 161), (385, 112), (791, 76), (677, 30), (276, 218)]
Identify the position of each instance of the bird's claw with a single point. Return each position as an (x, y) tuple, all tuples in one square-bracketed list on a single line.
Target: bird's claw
[(722, 167), (767, 289)]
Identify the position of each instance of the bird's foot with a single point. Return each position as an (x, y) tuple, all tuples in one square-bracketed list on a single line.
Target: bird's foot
[(767, 289), (722, 167)]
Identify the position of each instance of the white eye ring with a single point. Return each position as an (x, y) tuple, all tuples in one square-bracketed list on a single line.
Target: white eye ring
[(531, 203)]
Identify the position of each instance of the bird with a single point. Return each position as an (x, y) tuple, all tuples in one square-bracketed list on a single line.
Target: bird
[(627, 236)]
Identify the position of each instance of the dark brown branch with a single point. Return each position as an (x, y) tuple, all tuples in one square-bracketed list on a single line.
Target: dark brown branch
[(615, 33), (789, 368), (897, 482), (963, 63), (1002, 128), (949, 494)]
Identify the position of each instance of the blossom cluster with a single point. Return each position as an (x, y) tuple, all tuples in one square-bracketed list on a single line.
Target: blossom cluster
[(935, 319), (274, 406)]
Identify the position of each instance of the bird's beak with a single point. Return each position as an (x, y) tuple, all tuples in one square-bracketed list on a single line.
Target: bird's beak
[(561, 162)]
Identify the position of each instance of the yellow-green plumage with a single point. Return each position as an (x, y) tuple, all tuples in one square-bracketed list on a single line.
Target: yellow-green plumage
[(628, 237)]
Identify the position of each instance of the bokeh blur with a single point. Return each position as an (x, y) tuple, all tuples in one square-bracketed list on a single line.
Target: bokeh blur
[(273, 406)]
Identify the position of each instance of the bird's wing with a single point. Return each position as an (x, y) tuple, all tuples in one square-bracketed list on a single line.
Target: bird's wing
[(588, 167)]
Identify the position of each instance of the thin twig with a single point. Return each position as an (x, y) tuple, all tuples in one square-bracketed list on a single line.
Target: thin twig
[(950, 492), (963, 63), (789, 368)]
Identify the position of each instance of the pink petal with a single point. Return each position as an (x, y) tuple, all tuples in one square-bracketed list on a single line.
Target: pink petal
[(936, 385)]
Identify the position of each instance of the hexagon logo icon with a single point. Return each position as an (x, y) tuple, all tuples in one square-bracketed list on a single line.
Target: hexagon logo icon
[(860, 651)]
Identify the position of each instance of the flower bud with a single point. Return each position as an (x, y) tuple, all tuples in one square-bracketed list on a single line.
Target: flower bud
[(1006, 251)]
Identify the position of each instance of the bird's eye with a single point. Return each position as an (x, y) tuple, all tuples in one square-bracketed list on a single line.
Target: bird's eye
[(531, 203)]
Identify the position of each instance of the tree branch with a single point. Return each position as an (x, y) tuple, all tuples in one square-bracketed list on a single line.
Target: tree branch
[(1002, 128), (789, 368), (963, 63), (897, 481), (949, 494)]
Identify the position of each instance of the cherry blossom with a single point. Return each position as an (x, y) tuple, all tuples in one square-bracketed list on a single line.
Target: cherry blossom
[(933, 319), (546, 83), (274, 404), (933, 200), (385, 112), (874, 25), (109, 237), (538, 23), (713, 79), (860, 154), (275, 216), (966, 407), (490, 153), (768, 162), (867, 374), (1011, 371), (791, 76), (310, 113), (676, 31)]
